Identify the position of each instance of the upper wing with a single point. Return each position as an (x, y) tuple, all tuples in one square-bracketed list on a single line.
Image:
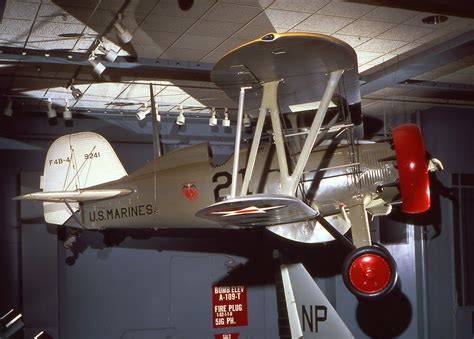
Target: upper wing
[(302, 60)]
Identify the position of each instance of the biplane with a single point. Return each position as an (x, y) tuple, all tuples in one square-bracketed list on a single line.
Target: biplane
[(312, 184)]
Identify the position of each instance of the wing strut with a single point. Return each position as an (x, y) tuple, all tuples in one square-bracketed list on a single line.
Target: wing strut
[(156, 132), (256, 139), (289, 183), (238, 134)]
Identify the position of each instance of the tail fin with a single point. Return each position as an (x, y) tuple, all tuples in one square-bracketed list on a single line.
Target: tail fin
[(74, 162), (310, 314)]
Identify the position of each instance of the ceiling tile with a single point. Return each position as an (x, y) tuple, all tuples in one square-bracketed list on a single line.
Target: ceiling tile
[(39, 93), (161, 39), (90, 102), (134, 6), (251, 32), (380, 45), (459, 78), (170, 98), (279, 18), (198, 42), (15, 27), (408, 47), (176, 53), (102, 18), (352, 40), (214, 28), (167, 23), (171, 8), (253, 3), (405, 33), (417, 20), (223, 49), (50, 44), (366, 28), (232, 13), (53, 29), (308, 6), (59, 95), (105, 89), (364, 57), (363, 68), (346, 9), (17, 9), (148, 51), (389, 14), (82, 3), (83, 44), (191, 102), (66, 15), (138, 93), (323, 24), (461, 24), (437, 34), (12, 40), (382, 59)]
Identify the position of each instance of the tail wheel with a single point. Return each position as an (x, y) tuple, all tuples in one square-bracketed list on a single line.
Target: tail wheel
[(370, 272)]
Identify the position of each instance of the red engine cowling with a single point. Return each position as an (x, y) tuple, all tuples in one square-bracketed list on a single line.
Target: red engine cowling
[(412, 168)]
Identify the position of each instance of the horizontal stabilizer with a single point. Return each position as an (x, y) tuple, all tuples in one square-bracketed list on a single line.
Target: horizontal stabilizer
[(75, 196)]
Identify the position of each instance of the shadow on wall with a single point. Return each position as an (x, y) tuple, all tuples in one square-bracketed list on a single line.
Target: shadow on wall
[(387, 317), (255, 244), (432, 217)]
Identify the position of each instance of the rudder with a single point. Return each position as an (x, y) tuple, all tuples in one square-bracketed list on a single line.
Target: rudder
[(74, 162)]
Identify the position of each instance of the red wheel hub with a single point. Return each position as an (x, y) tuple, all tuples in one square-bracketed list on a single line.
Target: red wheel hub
[(370, 273)]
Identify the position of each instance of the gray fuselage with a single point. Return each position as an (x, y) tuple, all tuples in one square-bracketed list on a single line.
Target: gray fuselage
[(167, 193)]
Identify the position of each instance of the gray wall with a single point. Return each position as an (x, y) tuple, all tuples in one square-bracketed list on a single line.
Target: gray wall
[(448, 136)]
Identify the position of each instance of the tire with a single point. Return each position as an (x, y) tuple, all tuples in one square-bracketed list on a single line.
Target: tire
[(370, 272)]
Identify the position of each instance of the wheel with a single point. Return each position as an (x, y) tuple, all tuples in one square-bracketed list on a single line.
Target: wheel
[(370, 272), (69, 242)]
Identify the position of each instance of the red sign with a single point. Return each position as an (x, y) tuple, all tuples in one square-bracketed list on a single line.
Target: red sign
[(229, 307), (227, 336)]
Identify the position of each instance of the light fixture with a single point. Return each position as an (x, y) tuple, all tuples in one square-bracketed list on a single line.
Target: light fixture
[(434, 19), (67, 115), (8, 112), (52, 116), (98, 67), (123, 34), (158, 116), (247, 122), (42, 335), (110, 54), (213, 119), (226, 121), (76, 92), (180, 119), (143, 113), (10, 323)]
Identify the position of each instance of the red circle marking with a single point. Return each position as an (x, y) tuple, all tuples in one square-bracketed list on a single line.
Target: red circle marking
[(370, 273), (190, 193)]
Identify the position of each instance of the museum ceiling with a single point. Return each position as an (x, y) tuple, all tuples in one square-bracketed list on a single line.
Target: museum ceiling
[(409, 58)]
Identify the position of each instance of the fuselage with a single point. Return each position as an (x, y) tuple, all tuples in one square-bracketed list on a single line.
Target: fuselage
[(168, 192)]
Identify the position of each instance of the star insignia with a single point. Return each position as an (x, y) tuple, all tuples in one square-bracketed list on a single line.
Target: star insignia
[(248, 210)]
